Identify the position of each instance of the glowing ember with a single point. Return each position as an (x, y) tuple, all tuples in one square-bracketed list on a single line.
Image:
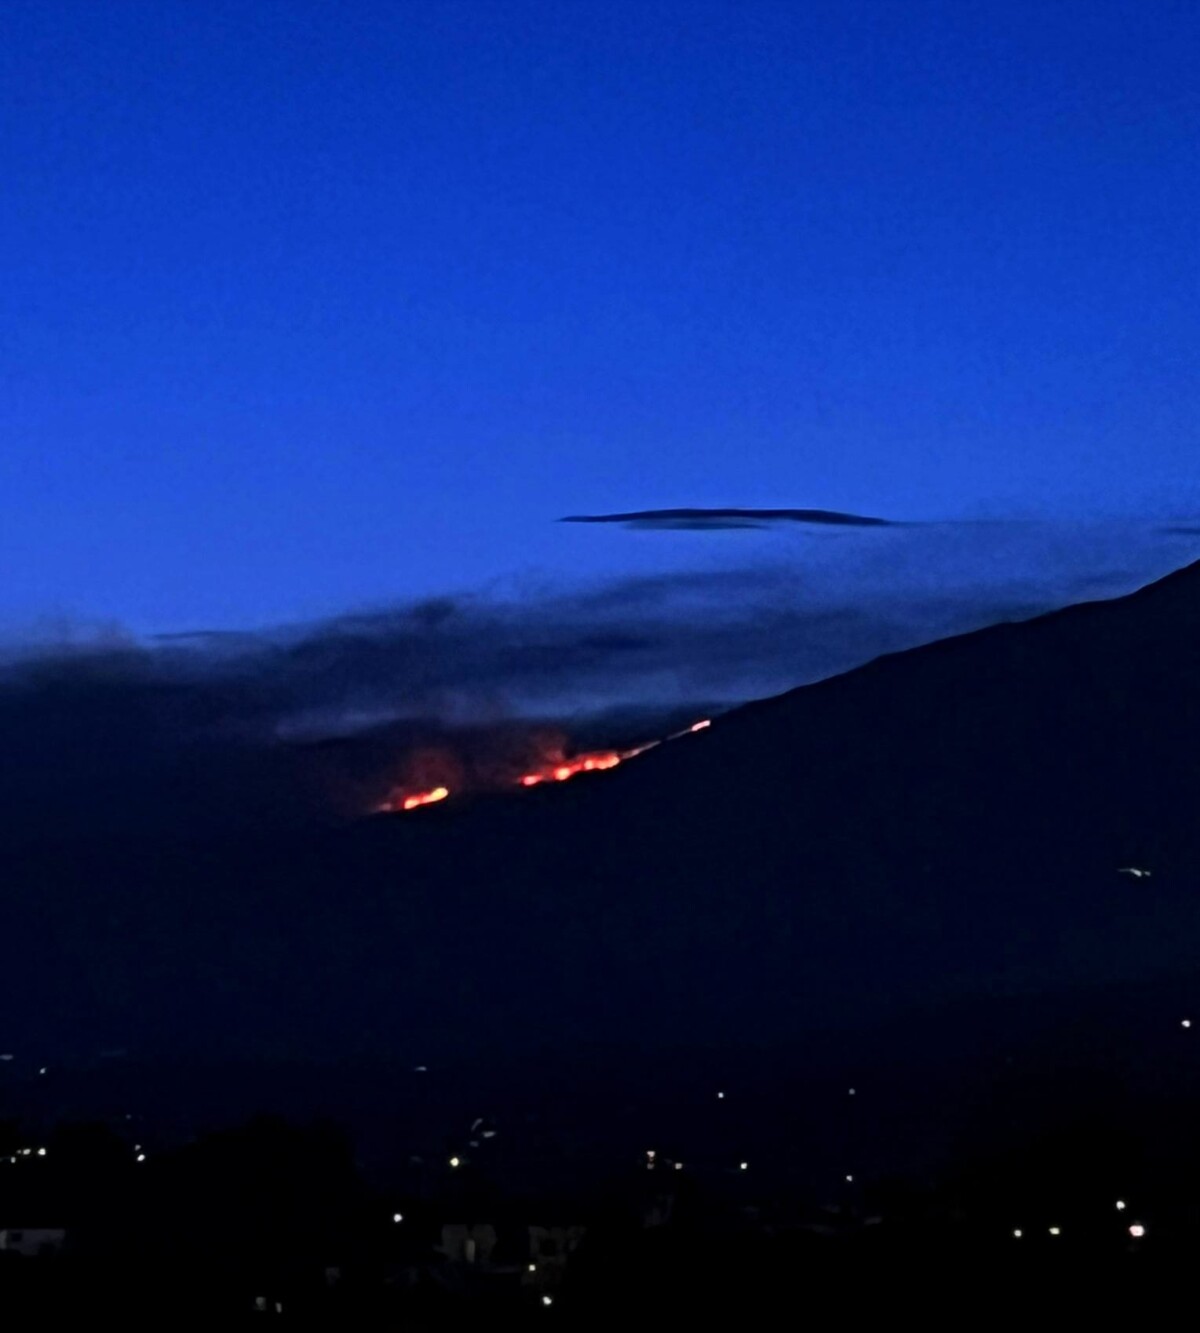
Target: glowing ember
[(688, 731), (424, 798)]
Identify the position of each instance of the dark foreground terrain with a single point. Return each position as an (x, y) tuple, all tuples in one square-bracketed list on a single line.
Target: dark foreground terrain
[(880, 940)]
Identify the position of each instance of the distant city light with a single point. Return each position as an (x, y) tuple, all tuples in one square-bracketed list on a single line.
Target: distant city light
[(1137, 1231), (1120, 1205), (1056, 1231)]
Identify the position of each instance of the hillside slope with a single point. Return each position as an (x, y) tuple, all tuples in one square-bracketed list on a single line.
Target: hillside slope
[(946, 821)]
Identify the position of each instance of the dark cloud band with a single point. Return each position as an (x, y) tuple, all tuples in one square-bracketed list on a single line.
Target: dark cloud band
[(732, 518)]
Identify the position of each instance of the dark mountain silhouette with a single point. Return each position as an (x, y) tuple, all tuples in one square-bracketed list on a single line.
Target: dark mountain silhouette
[(939, 824), (948, 819)]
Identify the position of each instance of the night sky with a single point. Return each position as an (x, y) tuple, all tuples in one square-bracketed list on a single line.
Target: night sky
[(313, 307)]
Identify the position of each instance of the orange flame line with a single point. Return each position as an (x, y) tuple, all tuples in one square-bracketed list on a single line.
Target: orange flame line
[(561, 772)]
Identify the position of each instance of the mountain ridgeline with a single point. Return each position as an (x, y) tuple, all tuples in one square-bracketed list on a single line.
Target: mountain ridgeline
[(939, 824)]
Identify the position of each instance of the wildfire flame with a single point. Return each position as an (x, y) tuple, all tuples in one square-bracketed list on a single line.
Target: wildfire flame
[(557, 768), (584, 763), (424, 798)]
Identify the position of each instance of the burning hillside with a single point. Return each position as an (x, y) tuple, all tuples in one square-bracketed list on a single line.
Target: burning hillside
[(435, 775)]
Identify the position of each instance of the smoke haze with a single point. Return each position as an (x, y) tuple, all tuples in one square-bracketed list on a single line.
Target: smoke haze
[(105, 732)]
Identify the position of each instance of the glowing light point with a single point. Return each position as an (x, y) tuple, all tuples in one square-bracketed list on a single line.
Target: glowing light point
[(547, 1300), (141, 1157), (720, 1096), (397, 1217), (743, 1166), (852, 1092), (1137, 1231), (456, 1161), (533, 1268), (41, 1152), (1056, 1231), (849, 1180), (1017, 1234), (1120, 1205), (1187, 1023), (678, 1166)]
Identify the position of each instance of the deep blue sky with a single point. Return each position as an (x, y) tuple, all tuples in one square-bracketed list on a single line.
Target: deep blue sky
[(311, 305)]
